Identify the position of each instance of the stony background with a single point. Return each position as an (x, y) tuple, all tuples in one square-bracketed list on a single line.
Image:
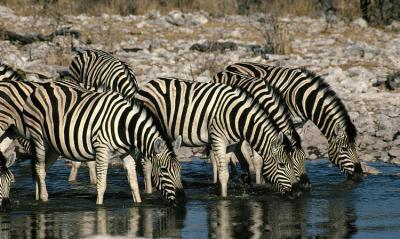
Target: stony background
[(360, 62)]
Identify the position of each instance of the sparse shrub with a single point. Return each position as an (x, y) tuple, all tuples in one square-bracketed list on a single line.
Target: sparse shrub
[(275, 35)]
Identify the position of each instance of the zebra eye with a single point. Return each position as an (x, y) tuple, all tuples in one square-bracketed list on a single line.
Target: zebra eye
[(281, 165)]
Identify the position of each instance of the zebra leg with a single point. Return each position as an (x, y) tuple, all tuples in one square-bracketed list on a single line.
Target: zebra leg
[(218, 147), (130, 166), (92, 171), (40, 171), (74, 170), (147, 167), (102, 156), (257, 162), (214, 167)]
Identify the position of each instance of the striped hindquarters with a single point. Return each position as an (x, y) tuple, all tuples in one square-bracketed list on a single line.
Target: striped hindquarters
[(99, 70)]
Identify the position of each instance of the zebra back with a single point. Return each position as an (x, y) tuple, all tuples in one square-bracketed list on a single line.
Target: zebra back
[(307, 94), (268, 99), (194, 110), (99, 70)]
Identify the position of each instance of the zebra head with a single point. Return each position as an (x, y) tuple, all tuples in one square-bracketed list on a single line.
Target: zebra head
[(278, 167), (166, 173), (6, 178), (342, 152), (298, 157)]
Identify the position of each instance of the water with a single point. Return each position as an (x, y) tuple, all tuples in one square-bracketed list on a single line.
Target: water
[(335, 208)]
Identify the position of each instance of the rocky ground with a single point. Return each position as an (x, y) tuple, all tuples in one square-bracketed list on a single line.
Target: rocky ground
[(358, 61)]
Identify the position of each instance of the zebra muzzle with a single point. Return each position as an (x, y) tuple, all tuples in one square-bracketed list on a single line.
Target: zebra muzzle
[(5, 204), (180, 197), (304, 183), (357, 174)]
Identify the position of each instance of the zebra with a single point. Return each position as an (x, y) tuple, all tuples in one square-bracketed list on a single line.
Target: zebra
[(99, 70), (6, 179), (7, 73), (83, 125), (219, 115), (14, 91), (309, 97), (277, 109)]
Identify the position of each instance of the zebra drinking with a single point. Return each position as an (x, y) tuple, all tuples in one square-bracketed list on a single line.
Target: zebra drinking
[(83, 125), (278, 111), (217, 114), (309, 97), (100, 71)]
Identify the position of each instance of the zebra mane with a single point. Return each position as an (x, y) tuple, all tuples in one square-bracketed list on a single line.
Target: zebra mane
[(351, 130), (17, 74), (159, 127)]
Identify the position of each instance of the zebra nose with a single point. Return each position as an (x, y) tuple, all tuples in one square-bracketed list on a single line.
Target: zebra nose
[(304, 183), (296, 190), (5, 204), (180, 197), (357, 174)]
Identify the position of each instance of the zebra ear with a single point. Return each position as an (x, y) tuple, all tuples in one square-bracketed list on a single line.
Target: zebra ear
[(159, 145), (11, 160), (177, 142), (339, 130)]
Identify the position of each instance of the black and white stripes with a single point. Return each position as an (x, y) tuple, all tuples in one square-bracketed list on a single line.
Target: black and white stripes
[(216, 114), (99, 70), (276, 108), (308, 97), (83, 125)]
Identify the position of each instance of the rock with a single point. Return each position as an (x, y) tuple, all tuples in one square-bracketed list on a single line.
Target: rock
[(313, 156), (394, 26), (356, 50), (41, 70), (394, 152), (210, 46), (369, 170), (396, 161), (153, 14), (393, 81), (176, 18), (360, 23), (195, 20), (335, 74)]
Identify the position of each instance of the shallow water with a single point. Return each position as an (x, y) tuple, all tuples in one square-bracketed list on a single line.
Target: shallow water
[(335, 208)]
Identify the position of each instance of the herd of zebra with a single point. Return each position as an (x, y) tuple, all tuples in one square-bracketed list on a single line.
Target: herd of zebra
[(100, 112)]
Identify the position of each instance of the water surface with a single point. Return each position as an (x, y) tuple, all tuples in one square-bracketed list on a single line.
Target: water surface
[(335, 208)]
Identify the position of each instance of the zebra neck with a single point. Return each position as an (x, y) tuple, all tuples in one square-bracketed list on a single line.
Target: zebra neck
[(256, 131), (140, 131)]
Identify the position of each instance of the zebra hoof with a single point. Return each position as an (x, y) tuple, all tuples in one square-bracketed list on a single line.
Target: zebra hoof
[(44, 197)]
